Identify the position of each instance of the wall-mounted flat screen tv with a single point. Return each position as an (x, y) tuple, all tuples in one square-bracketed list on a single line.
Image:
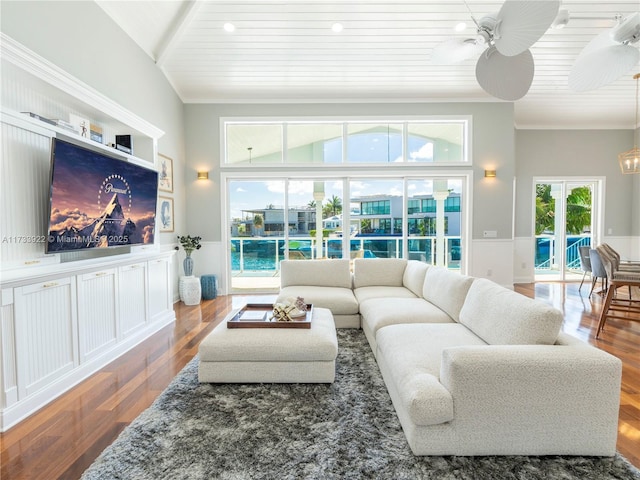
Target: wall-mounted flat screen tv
[(98, 200)]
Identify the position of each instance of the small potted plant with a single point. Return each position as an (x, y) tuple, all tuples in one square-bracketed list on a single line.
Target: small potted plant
[(189, 244)]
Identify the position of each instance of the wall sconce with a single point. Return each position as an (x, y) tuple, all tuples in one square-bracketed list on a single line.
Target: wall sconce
[(203, 175), (489, 174)]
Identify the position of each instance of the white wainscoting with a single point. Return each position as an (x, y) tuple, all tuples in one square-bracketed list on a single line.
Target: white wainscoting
[(523, 259), (211, 259), (493, 259), (627, 247)]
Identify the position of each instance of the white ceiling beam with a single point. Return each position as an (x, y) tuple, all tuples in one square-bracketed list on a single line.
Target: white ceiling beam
[(177, 29)]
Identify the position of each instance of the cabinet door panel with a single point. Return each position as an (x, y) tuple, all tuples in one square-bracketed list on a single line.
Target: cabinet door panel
[(8, 372), (133, 297), (159, 288), (97, 321), (45, 326)]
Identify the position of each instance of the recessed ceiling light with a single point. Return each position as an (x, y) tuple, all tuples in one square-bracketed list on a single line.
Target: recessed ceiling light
[(337, 27), (229, 27), (461, 27)]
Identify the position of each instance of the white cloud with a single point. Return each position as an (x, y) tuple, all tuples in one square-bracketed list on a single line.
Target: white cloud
[(425, 152), (275, 186), (301, 187)]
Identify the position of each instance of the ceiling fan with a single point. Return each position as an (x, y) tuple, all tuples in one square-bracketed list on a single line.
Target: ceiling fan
[(505, 68), (608, 56)]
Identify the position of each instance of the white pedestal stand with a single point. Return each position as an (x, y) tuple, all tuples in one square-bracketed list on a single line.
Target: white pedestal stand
[(190, 290)]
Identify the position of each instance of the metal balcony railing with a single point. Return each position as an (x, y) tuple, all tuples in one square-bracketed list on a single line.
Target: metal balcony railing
[(545, 251)]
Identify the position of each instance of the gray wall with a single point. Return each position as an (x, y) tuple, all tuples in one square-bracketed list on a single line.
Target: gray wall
[(575, 153), (82, 40), (493, 147)]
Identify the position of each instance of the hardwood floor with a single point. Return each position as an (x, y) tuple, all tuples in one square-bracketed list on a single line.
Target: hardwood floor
[(64, 438)]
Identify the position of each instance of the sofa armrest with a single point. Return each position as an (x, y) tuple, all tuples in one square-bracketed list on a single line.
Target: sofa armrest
[(541, 370), (541, 388)]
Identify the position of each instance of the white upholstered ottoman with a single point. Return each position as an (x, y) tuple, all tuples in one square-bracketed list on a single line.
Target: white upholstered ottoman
[(271, 355)]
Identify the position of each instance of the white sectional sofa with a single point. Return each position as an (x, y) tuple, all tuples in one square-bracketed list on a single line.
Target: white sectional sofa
[(472, 368)]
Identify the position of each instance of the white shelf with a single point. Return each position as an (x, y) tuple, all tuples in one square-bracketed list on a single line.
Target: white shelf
[(23, 120)]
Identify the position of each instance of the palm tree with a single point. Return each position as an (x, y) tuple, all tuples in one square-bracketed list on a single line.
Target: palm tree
[(578, 209), (545, 209), (332, 207)]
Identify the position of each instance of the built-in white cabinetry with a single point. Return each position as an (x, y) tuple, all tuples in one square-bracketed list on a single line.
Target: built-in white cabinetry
[(61, 329), (64, 316)]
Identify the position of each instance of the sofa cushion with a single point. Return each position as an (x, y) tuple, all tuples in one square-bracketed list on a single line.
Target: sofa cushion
[(341, 301), (366, 293), (503, 317), (412, 355), (321, 273), (380, 312), (413, 277), (378, 272), (446, 289)]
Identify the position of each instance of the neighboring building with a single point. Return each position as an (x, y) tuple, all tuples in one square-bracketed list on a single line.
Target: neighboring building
[(301, 220), (382, 215), (375, 215), (332, 223)]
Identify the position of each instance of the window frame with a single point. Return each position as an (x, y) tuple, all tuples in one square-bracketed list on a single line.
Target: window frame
[(465, 175), (405, 120)]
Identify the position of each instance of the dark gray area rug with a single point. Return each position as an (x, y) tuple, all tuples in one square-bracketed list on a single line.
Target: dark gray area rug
[(345, 430)]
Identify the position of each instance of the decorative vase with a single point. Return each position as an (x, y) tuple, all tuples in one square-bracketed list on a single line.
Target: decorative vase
[(187, 265)]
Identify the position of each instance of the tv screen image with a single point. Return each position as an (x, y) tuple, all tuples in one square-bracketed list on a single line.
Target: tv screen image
[(98, 201)]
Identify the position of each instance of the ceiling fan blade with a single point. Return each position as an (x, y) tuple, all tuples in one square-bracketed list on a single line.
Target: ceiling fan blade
[(507, 78), (602, 66), (521, 23), (455, 50), (602, 40)]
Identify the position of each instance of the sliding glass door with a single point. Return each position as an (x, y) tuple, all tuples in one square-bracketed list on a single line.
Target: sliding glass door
[(342, 217)]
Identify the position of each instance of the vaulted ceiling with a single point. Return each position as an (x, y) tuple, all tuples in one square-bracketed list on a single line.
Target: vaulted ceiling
[(287, 52)]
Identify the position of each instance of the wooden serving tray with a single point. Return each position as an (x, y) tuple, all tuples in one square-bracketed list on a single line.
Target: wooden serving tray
[(256, 315)]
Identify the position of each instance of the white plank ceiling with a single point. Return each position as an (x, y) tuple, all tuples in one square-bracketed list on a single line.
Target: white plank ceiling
[(287, 52)]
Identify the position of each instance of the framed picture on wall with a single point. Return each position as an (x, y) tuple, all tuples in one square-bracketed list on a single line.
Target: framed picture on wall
[(165, 175), (166, 214)]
